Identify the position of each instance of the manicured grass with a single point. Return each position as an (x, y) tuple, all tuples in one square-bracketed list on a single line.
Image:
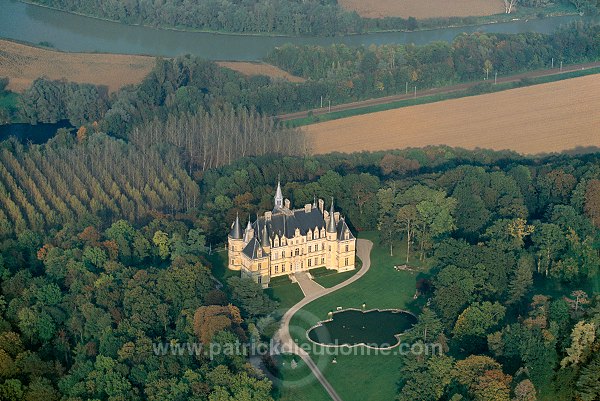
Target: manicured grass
[(285, 292), (330, 278), (297, 384), (364, 377), (437, 98)]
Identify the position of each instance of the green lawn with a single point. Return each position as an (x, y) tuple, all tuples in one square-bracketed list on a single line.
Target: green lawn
[(330, 278), (364, 377), (285, 292)]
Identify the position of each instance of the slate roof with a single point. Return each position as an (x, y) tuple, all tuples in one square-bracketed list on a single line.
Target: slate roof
[(251, 249), (236, 229), (286, 223)]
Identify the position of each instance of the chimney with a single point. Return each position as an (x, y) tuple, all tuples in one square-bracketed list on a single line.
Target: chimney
[(268, 216), (287, 203), (321, 205), (307, 208)]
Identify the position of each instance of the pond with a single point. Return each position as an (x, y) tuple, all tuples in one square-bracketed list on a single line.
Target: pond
[(37, 134), (76, 33), (375, 328)]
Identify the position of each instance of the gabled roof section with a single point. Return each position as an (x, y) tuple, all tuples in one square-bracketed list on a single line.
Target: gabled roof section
[(251, 249), (342, 229)]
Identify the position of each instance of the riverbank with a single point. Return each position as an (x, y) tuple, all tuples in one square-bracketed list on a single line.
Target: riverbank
[(422, 24)]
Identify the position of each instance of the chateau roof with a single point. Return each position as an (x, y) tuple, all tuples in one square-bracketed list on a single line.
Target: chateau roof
[(285, 223), (342, 229), (236, 229), (251, 249)]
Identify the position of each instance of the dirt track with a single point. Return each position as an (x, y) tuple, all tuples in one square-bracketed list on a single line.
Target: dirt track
[(544, 118), (422, 9)]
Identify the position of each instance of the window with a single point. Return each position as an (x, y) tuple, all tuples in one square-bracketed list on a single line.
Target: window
[(329, 248), (309, 248), (283, 268), (316, 261), (309, 262), (276, 269), (232, 261), (323, 261), (323, 246), (282, 254), (346, 262), (259, 266), (297, 251), (346, 248), (259, 279)]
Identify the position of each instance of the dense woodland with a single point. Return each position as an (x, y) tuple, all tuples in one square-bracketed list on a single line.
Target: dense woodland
[(289, 17), (514, 243)]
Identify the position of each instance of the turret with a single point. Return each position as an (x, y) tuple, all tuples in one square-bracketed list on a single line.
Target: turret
[(331, 224), (249, 232), (265, 240), (235, 243)]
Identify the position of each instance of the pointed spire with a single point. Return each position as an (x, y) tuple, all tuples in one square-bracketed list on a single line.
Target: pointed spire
[(331, 225), (236, 229), (249, 226), (265, 237), (278, 196)]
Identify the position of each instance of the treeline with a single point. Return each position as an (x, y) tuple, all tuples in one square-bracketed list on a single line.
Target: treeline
[(312, 17), (349, 73), (216, 138), (94, 178), (51, 101), (513, 245)]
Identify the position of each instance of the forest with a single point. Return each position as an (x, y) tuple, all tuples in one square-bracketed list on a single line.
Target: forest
[(288, 17), (92, 272)]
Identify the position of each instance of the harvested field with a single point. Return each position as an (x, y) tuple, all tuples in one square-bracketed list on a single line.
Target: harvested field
[(22, 64), (248, 68), (421, 9), (551, 117)]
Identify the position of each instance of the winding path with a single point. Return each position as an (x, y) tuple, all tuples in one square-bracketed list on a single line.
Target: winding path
[(363, 251)]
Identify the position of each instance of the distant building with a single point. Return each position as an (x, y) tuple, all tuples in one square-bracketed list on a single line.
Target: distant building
[(285, 241)]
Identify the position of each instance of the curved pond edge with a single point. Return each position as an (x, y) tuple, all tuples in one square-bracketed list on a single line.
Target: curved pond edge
[(320, 323)]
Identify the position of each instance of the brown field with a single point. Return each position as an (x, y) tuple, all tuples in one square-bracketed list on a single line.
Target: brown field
[(248, 68), (22, 64), (422, 9), (552, 117)]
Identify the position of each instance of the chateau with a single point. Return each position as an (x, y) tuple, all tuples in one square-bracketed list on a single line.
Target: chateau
[(285, 241)]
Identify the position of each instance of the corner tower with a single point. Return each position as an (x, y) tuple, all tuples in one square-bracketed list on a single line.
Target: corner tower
[(235, 243)]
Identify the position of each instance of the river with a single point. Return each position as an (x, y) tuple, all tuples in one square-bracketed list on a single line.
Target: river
[(70, 32)]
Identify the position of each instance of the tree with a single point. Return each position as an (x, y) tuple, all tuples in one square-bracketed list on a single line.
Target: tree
[(521, 281), (478, 319), (161, 240), (582, 338), (250, 296), (407, 221)]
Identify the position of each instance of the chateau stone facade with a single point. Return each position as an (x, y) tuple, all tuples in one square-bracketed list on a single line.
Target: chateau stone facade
[(285, 241)]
